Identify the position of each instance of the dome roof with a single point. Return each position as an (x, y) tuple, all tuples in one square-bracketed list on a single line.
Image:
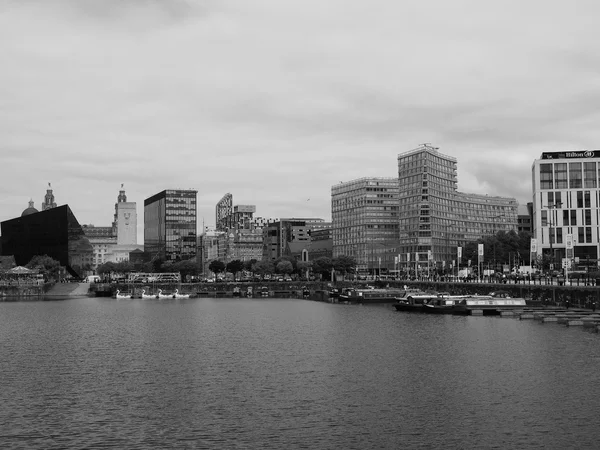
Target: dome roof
[(29, 210)]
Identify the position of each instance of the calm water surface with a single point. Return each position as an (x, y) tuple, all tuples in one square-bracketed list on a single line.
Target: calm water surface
[(275, 373)]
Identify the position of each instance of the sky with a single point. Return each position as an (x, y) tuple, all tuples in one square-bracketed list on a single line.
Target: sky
[(275, 101)]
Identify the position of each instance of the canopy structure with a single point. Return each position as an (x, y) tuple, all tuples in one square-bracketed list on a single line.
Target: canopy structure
[(20, 270)]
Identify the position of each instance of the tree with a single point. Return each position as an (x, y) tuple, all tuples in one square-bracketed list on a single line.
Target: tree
[(248, 264), (285, 267), (303, 267), (235, 266), (344, 264), (322, 265), (216, 266), (46, 265), (106, 268), (185, 268), (263, 267), (289, 259)]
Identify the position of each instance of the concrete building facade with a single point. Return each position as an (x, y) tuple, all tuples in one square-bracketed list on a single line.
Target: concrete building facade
[(364, 217), (566, 203)]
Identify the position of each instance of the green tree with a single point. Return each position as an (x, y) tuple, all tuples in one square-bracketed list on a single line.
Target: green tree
[(216, 266), (303, 267), (263, 267), (235, 266), (285, 267), (322, 265), (106, 268), (185, 268), (344, 264), (46, 265)]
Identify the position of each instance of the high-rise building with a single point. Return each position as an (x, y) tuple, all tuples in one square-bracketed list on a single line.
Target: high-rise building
[(387, 223), (364, 216), (566, 202), (170, 225), (434, 217)]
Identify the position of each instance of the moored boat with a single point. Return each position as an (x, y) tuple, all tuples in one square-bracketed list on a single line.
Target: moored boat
[(491, 304), (374, 295)]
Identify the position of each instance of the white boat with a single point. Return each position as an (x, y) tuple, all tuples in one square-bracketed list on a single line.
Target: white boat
[(178, 295), (144, 295), (119, 295)]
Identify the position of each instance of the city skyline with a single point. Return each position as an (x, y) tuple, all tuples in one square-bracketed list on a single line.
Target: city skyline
[(277, 102)]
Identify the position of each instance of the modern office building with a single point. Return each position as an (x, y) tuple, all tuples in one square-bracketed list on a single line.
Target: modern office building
[(388, 224), (566, 202), (170, 225), (364, 217), (434, 218), (54, 232)]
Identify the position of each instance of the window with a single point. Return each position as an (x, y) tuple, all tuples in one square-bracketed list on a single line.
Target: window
[(580, 199), (575, 175), (588, 234), (559, 236), (573, 217), (589, 175), (586, 199), (560, 175), (587, 220), (546, 176)]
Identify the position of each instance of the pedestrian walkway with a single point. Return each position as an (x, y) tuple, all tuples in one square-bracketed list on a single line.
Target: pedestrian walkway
[(68, 289)]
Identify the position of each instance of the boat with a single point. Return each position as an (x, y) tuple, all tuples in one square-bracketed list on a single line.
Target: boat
[(415, 301), (176, 294), (491, 304), (159, 294), (371, 294), (442, 304), (144, 295), (119, 295)]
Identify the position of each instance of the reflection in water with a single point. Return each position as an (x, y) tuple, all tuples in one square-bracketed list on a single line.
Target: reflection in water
[(238, 373)]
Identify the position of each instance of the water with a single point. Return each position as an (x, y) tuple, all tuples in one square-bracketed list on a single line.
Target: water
[(288, 373)]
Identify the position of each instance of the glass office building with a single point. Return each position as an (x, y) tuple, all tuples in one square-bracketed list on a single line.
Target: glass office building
[(434, 217), (364, 217), (54, 232), (170, 225)]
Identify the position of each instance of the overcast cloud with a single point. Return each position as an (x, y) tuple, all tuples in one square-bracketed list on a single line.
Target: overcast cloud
[(276, 101)]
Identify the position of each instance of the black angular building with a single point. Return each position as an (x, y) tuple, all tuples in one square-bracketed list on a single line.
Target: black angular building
[(54, 232)]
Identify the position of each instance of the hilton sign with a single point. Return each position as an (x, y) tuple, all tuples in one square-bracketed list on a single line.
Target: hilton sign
[(569, 155)]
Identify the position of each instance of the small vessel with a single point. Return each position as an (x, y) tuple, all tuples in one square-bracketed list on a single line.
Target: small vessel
[(371, 294), (416, 300), (491, 304), (119, 295), (144, 295), (176, 294), (159, 294)]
